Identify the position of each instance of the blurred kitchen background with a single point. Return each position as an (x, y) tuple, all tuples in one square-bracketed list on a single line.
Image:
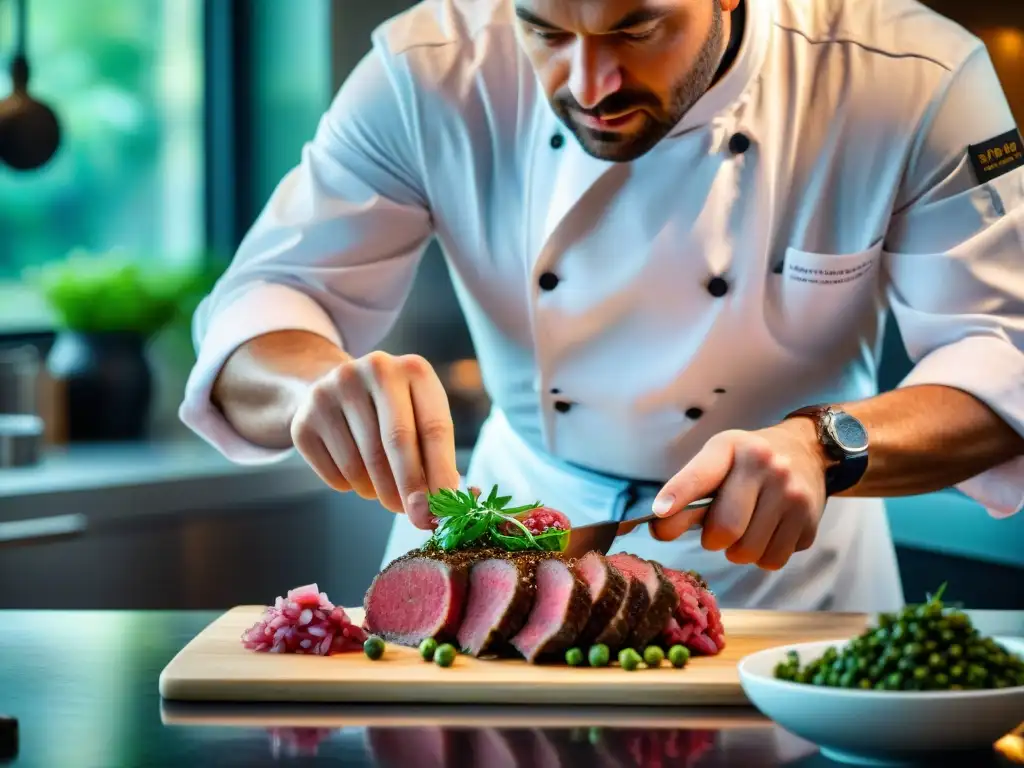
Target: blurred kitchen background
[(179, 118)]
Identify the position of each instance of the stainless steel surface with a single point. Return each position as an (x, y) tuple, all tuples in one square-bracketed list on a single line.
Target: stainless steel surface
[(21, 440), (41, 529), (599, 537), (19, 379)]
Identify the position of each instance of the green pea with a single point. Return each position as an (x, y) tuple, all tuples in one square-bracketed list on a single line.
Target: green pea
[(907, 664), (921, 674), (935, 661), (957, 672), (955, 651), (894, 681), (629, 659), (941, 680), (574, 657), (427, 649), (911, 650), (848, 680), (373, 647), (931, 646), (444, 656), (820, 680), (653, 656), (678, 655), (865, 684), (599, 655)]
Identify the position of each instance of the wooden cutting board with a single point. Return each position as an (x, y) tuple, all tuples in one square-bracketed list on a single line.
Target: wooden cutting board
[(215, 666)]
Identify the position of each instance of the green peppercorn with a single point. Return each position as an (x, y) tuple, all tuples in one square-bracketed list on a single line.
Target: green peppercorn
[(894, 681), (941, 680), (678, 655), (912, 650), (865, 684), (427, 649), (574, 657), (373, 647), (444, 656), (653, 656), (957, 672), (935, 661), (921, 674), (955, 651), (629, 659), (599, 655)]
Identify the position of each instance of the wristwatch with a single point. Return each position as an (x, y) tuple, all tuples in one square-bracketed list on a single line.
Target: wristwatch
[(845, 441)]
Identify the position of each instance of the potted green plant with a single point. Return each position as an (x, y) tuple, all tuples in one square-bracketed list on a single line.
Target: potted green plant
[(108, 307)]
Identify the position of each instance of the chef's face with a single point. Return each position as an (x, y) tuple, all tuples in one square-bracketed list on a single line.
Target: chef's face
[(621, 73)]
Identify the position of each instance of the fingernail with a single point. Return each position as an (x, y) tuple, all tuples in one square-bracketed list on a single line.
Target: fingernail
[(416, 505), (662, 505)]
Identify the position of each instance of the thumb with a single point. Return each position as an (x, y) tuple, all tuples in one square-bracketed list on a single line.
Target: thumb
[(700, 478)]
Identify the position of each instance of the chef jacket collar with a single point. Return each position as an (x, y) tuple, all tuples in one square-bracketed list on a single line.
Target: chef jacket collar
[(729, 90)]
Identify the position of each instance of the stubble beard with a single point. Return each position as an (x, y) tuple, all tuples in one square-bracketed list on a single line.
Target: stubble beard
[(624, 148)]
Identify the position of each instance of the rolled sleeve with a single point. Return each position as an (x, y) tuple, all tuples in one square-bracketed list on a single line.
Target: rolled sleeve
[(955, 259), (334, 251)]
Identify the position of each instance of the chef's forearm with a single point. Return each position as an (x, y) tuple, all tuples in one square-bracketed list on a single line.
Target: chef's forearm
[(926, 438), (260, 386)]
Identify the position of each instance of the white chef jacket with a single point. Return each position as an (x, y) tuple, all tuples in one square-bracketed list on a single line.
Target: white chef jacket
[(740, 269)]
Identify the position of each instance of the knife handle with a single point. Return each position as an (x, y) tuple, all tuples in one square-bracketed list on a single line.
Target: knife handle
[(628, 525)]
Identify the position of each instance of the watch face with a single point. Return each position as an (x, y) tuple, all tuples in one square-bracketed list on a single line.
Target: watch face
[(848, 433)]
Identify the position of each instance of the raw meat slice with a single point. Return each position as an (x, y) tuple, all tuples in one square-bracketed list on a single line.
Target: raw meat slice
[(607, 588), (632, 608), (501, 591), (418, 596), (560, 610), (697, 623), (662, 595)]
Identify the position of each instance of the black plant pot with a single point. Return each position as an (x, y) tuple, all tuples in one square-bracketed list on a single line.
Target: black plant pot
[(108, 384)]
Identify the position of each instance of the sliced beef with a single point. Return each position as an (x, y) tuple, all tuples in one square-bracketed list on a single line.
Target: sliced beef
[(607, 588), (560, 610), (501, 591), (418, 596), (697, 622), (661, 593), (631, 610)]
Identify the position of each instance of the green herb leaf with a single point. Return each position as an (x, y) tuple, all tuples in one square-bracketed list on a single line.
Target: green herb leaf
[(492, 496), (553, 540), (513, 543)]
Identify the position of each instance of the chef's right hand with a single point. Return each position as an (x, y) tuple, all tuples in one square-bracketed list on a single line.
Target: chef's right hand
[(381, 426)]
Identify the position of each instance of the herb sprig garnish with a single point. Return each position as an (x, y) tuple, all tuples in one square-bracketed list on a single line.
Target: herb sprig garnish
[(467, 519)]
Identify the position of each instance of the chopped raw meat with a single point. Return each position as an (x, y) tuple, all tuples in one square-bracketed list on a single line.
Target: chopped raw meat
[(417, 597), (500, 597), (607, 591), (560, 610), (697, 622), (538, 520), (662, 595), (304, 622)]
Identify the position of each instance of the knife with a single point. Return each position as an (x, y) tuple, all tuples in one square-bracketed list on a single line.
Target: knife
[(599, 537)]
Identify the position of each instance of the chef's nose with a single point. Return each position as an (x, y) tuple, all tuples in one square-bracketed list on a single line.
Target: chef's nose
[(595, 73)]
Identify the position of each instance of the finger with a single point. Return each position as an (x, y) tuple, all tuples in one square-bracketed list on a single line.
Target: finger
[(763, 523), (315, 453), (361, 415), (783, 543), (433, 425), (337, 438), (735, 502), (670, 528), (700, 478), (401, 443)]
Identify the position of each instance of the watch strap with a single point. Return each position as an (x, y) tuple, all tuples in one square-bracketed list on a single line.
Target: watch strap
[(848, 468)]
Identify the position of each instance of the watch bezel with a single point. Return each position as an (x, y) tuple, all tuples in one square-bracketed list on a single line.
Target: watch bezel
[(832, 417)]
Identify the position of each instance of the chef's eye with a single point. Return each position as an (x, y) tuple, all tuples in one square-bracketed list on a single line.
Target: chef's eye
[(640, 33), (548, 35)]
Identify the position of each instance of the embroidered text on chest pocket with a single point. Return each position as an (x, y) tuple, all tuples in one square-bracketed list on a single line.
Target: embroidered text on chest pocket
[(824, 301)]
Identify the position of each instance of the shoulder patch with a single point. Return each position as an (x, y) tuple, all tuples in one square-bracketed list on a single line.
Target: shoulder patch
[(999, 155)]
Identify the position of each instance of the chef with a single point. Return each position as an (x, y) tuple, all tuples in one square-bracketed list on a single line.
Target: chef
[(675, 228)]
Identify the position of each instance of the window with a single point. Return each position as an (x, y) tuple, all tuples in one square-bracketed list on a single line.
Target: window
[(126, 80)]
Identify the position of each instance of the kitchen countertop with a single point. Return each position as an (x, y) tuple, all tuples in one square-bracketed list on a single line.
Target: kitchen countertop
[(83, 686)]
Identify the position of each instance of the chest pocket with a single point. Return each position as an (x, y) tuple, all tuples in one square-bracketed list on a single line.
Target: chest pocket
[(818, 301)]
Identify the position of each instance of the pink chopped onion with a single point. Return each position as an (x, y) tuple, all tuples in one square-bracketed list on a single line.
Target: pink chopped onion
[(304, 622)]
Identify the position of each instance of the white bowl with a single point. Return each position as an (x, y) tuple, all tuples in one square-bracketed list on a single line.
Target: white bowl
[(881, 727)]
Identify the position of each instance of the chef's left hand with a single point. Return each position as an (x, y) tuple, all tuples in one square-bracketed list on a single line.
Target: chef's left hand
[(770, 494)]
